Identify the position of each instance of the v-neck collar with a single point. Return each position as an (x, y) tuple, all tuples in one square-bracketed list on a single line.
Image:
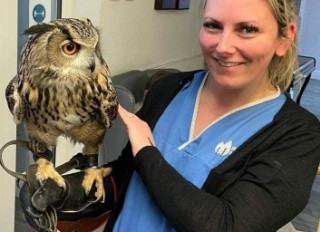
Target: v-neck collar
[(196, 107)]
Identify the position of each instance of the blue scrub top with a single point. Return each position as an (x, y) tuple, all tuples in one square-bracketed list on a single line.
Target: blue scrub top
[(193, 158)]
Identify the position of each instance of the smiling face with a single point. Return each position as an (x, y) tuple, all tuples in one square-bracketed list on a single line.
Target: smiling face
[(238, 40)]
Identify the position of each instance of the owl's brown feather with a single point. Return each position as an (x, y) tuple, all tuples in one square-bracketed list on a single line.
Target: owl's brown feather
[(10, 92)]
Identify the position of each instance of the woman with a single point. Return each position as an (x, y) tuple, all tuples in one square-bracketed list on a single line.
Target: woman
[(228, 151)]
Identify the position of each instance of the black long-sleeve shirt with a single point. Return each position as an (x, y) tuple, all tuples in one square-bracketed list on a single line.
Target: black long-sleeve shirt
[(262, 186)]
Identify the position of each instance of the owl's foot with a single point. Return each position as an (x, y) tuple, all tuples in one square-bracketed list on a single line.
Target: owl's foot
[(46, 170), (95, 176)]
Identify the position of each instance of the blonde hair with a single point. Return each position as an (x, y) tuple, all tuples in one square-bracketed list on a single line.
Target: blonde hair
[(281, 68)]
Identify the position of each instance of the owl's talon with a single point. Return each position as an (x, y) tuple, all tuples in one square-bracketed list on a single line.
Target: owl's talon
[(46, 170), (106, 171), (94, 177)]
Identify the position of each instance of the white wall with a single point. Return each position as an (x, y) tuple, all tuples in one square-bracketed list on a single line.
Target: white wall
[(8, 63), (135, 36), (309, 32)]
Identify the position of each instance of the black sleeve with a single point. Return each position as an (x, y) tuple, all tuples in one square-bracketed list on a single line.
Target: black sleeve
[(273, 188)]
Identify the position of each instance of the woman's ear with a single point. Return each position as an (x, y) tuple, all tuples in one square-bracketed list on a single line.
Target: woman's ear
[(286, 41)]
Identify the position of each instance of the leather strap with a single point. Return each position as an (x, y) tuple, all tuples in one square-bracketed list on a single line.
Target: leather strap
[(79, 161), (85, 161), (17, 175)]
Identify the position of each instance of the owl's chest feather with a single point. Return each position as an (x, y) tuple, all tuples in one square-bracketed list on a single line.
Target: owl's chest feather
[(62, 107)]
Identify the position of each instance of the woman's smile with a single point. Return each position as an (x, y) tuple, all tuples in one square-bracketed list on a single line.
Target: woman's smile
[(227, 64)]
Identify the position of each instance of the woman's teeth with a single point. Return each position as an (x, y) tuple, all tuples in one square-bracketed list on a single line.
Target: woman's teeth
[(228, 64)]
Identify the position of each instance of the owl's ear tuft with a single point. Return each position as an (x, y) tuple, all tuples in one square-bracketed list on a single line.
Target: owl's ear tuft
[(39, 29)]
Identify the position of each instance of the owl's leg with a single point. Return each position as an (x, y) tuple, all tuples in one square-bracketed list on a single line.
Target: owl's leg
[(45, 169), (37, 147)]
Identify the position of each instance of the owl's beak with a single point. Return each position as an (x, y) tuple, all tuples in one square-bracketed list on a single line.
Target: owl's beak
[(92, 67)]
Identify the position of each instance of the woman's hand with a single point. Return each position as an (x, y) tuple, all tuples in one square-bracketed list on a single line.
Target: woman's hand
[(139, 132)]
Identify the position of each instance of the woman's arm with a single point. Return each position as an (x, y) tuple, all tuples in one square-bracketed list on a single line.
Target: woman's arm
[(273, 188)]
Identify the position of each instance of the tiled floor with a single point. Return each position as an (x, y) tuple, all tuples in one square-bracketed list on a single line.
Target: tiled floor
[(307, 220)]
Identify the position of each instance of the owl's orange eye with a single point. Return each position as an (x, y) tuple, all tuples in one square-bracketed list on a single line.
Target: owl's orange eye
[(70, 48)]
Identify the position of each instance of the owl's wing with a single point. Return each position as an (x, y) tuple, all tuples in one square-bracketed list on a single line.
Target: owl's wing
[(14, 101), (109, 108), (108, 97)]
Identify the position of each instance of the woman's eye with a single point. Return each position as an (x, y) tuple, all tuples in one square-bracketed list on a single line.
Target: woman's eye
[(211, 26), (247, 30)]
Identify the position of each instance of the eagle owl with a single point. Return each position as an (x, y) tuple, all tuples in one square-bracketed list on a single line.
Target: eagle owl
[(63, 87)]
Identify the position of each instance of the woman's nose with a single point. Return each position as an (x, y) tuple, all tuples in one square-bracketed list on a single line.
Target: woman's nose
[(226, 43)]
